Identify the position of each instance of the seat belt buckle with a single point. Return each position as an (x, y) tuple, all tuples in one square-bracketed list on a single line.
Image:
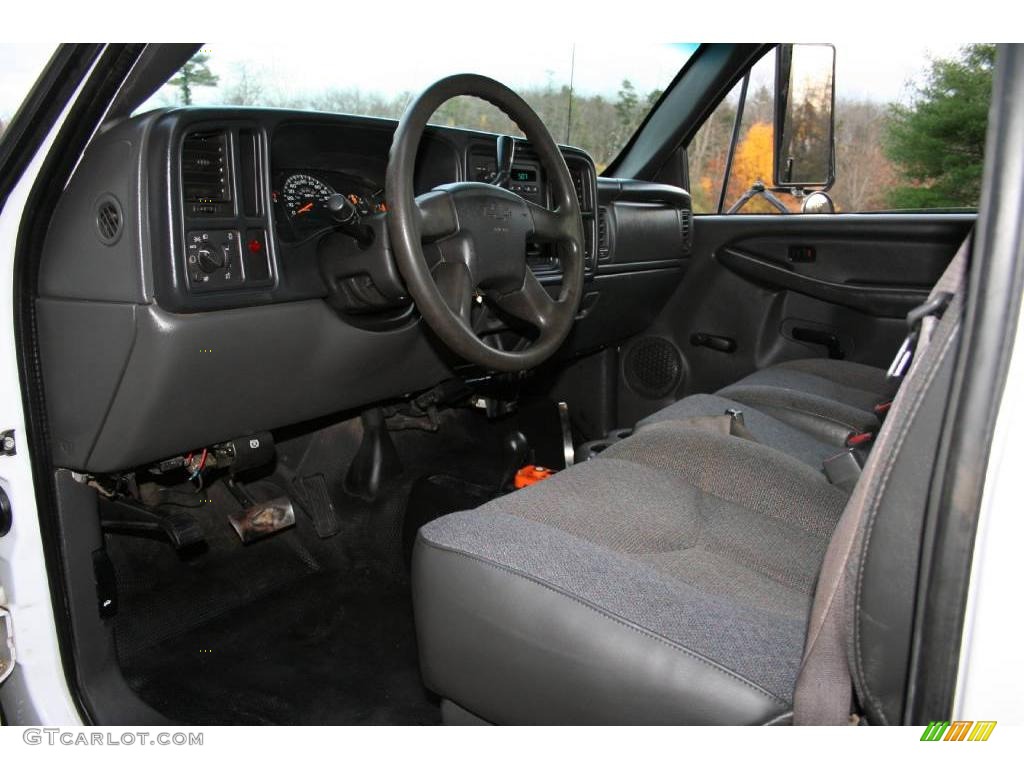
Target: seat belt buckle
[(882, 408), (855, 439), (844, 469)]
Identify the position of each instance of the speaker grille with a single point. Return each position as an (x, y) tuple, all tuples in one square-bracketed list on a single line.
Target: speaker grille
[(109, 220), (653, 367)]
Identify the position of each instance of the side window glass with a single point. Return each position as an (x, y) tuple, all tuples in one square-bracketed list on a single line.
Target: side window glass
[(707, 152), (751, 161), (909, 134), (755, 146), (929, 138)]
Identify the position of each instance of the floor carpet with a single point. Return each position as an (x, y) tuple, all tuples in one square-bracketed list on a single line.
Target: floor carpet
[(295, 629)]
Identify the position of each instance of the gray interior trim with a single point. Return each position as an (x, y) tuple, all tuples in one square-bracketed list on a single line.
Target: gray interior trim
[(110, 699), (156, 64), (876, 300), (159, 383)]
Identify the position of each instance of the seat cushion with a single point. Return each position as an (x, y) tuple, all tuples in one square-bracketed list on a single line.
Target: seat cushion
[(667, 581), (765, 429), (826, 398), (855, 379)]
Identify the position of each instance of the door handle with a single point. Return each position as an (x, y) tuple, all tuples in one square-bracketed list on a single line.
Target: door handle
[(717, 343), (826, 339)]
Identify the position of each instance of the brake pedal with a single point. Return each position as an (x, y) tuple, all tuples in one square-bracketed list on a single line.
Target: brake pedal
[(315, 501), (262, 518)]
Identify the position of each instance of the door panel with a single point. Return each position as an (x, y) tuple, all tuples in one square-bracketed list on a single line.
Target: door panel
[(763, 289), (885, 300)]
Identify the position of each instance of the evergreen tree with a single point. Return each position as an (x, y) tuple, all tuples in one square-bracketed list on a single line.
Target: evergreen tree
[(626, 108), (194, 73), (938, 141)]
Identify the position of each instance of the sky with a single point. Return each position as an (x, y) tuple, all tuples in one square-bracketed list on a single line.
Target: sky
[(878, 71)]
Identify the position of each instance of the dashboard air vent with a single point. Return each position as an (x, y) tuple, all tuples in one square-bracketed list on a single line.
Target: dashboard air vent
[(250, 172), (603, 240), (686, 228), (205, 177), (578, 175), (109, 220)]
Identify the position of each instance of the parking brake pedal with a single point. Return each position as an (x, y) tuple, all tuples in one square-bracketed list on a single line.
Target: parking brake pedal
[(127, 516), (315, 501)]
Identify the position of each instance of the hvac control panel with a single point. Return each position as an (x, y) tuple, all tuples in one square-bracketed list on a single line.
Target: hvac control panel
[(220, 259)]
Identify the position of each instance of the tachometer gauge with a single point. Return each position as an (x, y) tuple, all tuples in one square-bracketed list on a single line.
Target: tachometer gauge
[(303, 194)]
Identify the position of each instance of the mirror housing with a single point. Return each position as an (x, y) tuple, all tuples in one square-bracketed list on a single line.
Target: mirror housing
[(804, 116)]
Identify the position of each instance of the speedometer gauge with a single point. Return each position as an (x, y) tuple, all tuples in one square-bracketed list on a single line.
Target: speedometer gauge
[(303, 194)]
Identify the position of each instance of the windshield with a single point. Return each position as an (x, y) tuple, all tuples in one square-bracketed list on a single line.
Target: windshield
[(586, 97)]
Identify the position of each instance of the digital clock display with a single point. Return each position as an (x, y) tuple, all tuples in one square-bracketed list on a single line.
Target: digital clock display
[(524, 174)]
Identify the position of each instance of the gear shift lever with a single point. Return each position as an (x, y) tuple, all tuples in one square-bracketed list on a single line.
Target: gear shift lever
[(516, 453), (504, 151)]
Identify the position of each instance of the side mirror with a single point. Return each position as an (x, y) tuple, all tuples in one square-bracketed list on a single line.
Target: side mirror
[(805, 116), (818, 202)]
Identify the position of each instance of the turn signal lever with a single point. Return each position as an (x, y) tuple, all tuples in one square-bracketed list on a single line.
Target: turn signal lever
[(344, 212)]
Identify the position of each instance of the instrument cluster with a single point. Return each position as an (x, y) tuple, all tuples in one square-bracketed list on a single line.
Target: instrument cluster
[(300, 200)]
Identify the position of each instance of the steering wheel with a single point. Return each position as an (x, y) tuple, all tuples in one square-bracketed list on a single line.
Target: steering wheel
[(480, 232)]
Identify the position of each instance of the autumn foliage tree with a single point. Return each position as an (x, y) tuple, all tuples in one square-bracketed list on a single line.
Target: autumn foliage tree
[(752, 163)]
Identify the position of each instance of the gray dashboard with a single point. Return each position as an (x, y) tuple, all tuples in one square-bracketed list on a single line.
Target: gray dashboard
[(180, 303)]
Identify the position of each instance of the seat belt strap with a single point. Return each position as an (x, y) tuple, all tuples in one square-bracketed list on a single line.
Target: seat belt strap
[(933, 308)]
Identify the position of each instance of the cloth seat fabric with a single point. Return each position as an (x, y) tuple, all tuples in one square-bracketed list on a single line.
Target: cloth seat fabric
[(667, 580), (805, 408), (811, 449), (827, 398)]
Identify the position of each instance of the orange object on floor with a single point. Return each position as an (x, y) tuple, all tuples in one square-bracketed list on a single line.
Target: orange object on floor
[(531, 474)]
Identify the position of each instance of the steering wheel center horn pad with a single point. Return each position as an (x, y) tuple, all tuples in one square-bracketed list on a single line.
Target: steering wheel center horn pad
[(479, 231)]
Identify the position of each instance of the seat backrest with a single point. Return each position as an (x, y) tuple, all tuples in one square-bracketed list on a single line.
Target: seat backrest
[(860, 631)]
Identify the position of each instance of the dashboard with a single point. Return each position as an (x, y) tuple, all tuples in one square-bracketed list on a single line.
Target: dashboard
[(196, 285), (247, 204)]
